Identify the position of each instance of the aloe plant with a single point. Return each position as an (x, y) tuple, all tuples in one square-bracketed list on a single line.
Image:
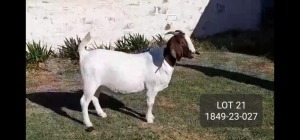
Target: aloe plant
[(70, 49), (158, 40), (37, 52), (133, 43)]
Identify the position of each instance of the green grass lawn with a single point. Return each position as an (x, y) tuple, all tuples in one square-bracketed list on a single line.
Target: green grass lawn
[(53, 108)]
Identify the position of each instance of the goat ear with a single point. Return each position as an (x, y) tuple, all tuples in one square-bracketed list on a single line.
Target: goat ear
[(176, 51), (173, 53)]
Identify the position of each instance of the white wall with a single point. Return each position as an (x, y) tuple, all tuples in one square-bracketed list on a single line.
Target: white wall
[(107, 20)]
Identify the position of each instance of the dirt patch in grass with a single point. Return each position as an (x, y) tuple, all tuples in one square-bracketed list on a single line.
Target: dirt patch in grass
[(258, 66), (36, 79), (192, 107), (165, 103), (56, 74)]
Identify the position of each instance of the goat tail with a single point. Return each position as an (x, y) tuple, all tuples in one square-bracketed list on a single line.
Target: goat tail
[(82, 46)]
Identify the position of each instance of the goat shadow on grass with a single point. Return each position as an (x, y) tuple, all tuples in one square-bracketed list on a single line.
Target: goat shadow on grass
[(239, 77), (71, 100)]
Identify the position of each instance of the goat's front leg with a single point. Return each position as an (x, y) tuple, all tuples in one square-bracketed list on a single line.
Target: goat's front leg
[(98, 108), (150, 101)]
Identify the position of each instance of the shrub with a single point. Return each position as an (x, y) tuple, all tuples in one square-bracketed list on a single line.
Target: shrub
[(70, 49), (101, 46), (133, 43), (37, 53), (158, 40)]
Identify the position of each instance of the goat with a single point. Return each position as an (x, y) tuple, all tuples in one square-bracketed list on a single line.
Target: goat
[(126, 73)]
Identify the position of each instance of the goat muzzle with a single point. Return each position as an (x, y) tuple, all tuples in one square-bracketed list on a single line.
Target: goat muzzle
[(191, 55)]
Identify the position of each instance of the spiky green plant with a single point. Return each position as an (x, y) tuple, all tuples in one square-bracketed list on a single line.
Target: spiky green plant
[(37, 52), (70, 48), (158, 40), (101, 46), (133, 43)]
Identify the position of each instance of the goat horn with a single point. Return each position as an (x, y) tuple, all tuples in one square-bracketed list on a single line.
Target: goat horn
[(179, 31), (173, 33)]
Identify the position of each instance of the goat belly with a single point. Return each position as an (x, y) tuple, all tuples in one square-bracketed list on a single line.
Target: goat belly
[(124, 86)]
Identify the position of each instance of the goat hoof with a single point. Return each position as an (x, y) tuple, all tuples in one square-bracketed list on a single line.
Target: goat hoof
[(149, 120), (103, 115), (89, 129)]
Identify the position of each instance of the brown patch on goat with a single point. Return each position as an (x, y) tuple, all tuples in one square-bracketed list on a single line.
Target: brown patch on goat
[(177, 47)]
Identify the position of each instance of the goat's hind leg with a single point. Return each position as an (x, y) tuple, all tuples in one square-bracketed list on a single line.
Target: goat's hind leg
[(88, 96), (85, 101), (98, 108)]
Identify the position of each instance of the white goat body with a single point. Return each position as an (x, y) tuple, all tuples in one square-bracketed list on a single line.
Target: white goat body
[(128, 73)]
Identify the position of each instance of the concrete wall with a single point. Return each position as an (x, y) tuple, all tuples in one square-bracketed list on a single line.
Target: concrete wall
[(107, 20), (223, 15)]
